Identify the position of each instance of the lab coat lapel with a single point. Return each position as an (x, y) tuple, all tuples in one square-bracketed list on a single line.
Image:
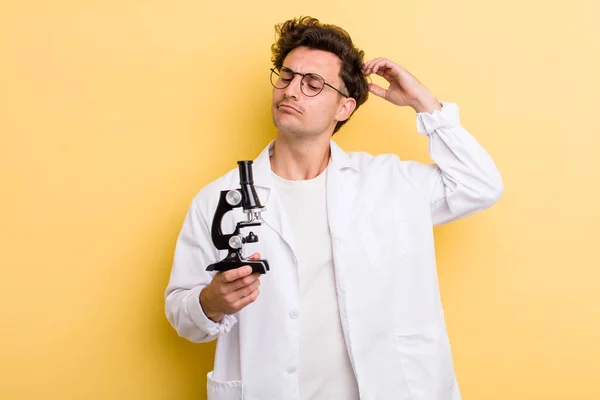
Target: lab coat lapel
[(342, 190), (274, 215)]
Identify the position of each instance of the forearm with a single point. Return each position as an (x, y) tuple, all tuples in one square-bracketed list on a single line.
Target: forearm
[(467, 178), (426, 103)]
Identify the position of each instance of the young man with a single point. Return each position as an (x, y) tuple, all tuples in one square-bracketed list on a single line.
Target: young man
[(350, 308)]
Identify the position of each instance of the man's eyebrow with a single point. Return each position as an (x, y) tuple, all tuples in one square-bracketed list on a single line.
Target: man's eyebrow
[(303, 73), (286, 67)]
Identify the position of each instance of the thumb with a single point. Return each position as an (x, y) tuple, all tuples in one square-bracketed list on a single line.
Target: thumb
[(377, 90), (255, 256)]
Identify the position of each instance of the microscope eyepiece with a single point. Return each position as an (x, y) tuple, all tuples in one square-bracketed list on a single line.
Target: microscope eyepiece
[(250, 200), (246, 177)]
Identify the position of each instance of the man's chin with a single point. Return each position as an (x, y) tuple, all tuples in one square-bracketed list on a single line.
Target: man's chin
[(287, 124), (290, 130)]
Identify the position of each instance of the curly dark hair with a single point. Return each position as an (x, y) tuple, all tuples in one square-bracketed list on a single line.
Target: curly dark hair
[(309, 32)]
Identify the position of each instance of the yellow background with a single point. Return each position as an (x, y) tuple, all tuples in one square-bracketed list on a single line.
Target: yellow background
[(113, 114)]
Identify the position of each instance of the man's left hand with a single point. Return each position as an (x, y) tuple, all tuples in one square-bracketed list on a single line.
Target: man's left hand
[(404, 89)]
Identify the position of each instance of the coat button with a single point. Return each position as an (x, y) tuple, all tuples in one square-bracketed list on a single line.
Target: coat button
[(294, 314), (292, 369)]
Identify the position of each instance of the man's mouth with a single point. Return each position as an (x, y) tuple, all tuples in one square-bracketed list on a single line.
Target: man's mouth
[(288, 107)]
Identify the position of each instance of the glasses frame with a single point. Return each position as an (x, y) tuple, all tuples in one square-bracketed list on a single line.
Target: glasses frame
[(273, 71)]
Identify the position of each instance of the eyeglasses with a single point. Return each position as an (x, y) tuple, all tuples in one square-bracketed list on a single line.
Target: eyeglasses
[(311, 84)]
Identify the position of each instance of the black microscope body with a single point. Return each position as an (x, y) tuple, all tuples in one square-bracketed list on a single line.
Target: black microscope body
[(246, 198)]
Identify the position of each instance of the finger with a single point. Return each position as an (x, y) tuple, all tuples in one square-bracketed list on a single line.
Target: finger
[(383, 71), (368, 70), (383, 65), (387, 74), (244, 301), (395, 71), (242, 292), (237, 273), (370, 62), (377, 90), (375, 62), (240, 283), (255, 256), (387, 69)]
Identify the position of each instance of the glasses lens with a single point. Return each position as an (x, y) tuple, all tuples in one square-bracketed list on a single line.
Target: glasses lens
[(312, 85), (281, 79)]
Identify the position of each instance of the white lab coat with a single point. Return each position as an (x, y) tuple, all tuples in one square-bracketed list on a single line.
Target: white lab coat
[(381, 211)]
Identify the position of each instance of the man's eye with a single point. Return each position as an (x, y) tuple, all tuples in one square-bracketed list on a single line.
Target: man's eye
[(286, 79)]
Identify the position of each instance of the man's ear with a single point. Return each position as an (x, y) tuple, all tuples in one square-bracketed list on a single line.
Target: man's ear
[(345, 109)]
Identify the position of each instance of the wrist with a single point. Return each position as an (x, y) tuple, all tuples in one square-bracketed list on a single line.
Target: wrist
[(210, 314), (427, 104)]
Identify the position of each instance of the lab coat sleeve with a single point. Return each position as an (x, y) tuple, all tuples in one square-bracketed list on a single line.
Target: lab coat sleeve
[(464, 178), (194, 251)]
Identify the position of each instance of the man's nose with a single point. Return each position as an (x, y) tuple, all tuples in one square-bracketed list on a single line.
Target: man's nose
[(294, 90)]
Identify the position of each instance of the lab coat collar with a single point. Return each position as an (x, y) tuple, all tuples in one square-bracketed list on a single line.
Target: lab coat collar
[(342, 179), (262, 164)]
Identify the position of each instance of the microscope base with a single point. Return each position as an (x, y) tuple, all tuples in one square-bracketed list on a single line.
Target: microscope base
[(260, 266)]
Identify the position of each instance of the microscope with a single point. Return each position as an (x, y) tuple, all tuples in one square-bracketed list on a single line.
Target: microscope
[(246, 198)]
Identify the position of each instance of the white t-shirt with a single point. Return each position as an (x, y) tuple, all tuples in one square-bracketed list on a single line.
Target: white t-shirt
[(325, 371)]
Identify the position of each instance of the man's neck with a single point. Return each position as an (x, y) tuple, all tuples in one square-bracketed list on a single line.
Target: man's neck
[(300, 159)]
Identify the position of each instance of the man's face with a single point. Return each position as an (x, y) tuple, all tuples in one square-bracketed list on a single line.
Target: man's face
[(296, 114)]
